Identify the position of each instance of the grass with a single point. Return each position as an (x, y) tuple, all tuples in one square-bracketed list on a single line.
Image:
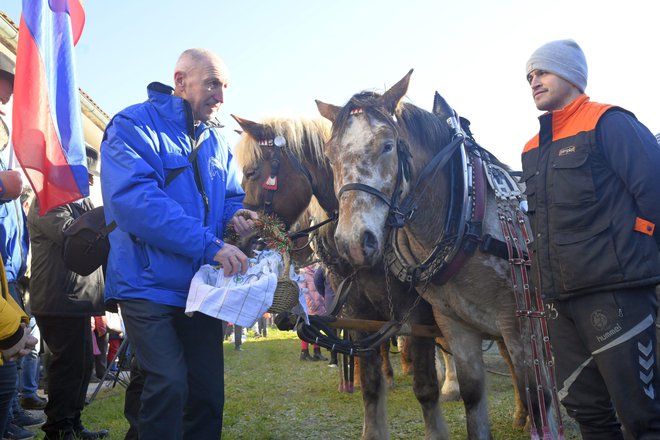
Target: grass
[(272, 395)]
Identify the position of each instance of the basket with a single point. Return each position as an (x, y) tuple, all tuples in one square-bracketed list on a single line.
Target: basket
[(287, 291)]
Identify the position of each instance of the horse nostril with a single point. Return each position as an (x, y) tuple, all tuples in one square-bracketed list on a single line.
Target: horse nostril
[(369, 242)]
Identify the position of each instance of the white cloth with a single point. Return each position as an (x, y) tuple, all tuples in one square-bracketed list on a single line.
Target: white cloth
[(241, 299)]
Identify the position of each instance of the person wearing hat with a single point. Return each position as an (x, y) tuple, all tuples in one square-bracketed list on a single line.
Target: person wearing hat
[(62, 303), (593, 192)]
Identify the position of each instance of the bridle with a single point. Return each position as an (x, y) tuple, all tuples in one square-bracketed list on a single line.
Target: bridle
[(401, 212), (271, 183)]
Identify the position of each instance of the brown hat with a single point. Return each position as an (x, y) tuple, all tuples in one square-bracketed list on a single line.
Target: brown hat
[(7, 64), (92, 161)]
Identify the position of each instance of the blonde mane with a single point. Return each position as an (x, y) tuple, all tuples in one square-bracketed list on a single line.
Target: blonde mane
[(298, 132)]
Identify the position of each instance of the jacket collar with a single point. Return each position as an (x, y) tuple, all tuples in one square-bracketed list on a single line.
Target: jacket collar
[(560, 117)]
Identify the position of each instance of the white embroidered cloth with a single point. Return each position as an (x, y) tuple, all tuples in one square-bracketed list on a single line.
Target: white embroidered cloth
[(241, 299)]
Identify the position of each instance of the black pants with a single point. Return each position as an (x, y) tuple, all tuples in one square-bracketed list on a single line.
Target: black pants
[(182, 361), (69, 371), (606, 363)]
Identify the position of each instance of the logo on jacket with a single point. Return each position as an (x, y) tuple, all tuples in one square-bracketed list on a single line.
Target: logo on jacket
[(599, 320), (215, 168), (567, 150)]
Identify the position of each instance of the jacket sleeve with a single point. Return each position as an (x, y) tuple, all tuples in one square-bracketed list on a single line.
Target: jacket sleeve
[(235, 194), (634, 154), (11, 316), (132, 180)]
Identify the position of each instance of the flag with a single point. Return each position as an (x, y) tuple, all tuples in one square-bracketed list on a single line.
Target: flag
[(47, 129)]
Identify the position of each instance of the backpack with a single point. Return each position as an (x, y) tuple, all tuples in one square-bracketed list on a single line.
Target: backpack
[(86, 243)]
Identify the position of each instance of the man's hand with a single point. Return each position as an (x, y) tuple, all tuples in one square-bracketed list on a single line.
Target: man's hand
[(243, 221), (21, 348), (232, 260)]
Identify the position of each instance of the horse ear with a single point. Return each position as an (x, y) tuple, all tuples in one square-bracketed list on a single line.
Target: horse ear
[(441, 106), (392, 97), (254, 129), (328, 111)]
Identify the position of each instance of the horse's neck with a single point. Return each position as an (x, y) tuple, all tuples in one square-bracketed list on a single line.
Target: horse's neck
[(428, 220)]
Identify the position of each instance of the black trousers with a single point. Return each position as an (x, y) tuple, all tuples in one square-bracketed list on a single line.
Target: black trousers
[(182, 361), (606, 363), (69, 371)]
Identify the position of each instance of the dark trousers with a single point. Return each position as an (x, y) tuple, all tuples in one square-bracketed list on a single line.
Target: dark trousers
[(101, 360), (132, 399), (69, 371), (606, 363), (182, 361), (7, 390)]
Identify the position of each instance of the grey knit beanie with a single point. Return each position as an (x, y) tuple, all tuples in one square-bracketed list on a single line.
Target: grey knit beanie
[(564, 58)]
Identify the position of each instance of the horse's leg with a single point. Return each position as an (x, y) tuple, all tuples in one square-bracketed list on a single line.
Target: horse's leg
[(373, 398), (406, 360), (521, 412), (425, 386), (451, 391), (388, 372), (470, 371)]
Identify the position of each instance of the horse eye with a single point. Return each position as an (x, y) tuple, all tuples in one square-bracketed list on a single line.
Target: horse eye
[(388, 146), (250, 172)]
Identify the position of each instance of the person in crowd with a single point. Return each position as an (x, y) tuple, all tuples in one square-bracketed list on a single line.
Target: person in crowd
[(63, 303), (14, 246), (324, 287), (315, 306), (592, 184), (100, 339), (15, 342), (166, 229)]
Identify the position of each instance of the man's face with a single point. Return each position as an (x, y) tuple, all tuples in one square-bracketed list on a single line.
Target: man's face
[(6, 90), (204, 88), (551, 92)]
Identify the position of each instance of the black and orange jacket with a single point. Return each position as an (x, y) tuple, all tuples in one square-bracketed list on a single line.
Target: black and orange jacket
[(592, 177)]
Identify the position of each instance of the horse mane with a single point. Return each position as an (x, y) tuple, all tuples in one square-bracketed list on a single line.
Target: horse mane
[(303, 136)]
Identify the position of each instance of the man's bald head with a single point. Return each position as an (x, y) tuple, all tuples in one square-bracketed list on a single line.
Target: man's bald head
[(201, 77)]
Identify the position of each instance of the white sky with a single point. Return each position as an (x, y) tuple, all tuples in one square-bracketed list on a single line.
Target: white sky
[(283, 54)]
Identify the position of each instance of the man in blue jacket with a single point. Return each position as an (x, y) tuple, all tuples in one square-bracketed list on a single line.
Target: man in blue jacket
[(170, 183)]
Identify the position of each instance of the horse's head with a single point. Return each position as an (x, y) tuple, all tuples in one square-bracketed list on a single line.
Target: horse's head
[(370, 160), (276, 157)]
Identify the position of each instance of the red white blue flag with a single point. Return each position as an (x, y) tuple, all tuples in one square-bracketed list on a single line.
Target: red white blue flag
[(47, 129)]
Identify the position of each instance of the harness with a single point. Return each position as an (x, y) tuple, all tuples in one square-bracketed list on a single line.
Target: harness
[(466, 205), (469, 168), (270, 184)]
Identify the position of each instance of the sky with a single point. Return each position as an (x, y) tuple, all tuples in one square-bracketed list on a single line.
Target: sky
[(284, 54)]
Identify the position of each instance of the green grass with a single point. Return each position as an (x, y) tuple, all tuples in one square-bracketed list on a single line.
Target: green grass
[(272, 395)]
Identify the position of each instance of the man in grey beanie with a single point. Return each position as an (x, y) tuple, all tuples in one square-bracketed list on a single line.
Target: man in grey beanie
[(593, 186)]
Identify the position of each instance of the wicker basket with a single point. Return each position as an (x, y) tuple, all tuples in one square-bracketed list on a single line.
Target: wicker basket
[(287, 290)]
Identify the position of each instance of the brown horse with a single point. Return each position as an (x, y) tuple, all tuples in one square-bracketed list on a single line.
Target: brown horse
[(303, 171), (379, 147)]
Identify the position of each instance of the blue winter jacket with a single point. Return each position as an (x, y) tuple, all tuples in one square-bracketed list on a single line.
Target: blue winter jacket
[(164, 232), (14, 238)]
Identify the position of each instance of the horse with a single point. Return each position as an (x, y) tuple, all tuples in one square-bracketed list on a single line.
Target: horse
[(379, 150), (302, 171)]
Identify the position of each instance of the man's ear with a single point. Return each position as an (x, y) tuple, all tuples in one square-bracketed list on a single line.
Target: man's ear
[(179, 78)]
